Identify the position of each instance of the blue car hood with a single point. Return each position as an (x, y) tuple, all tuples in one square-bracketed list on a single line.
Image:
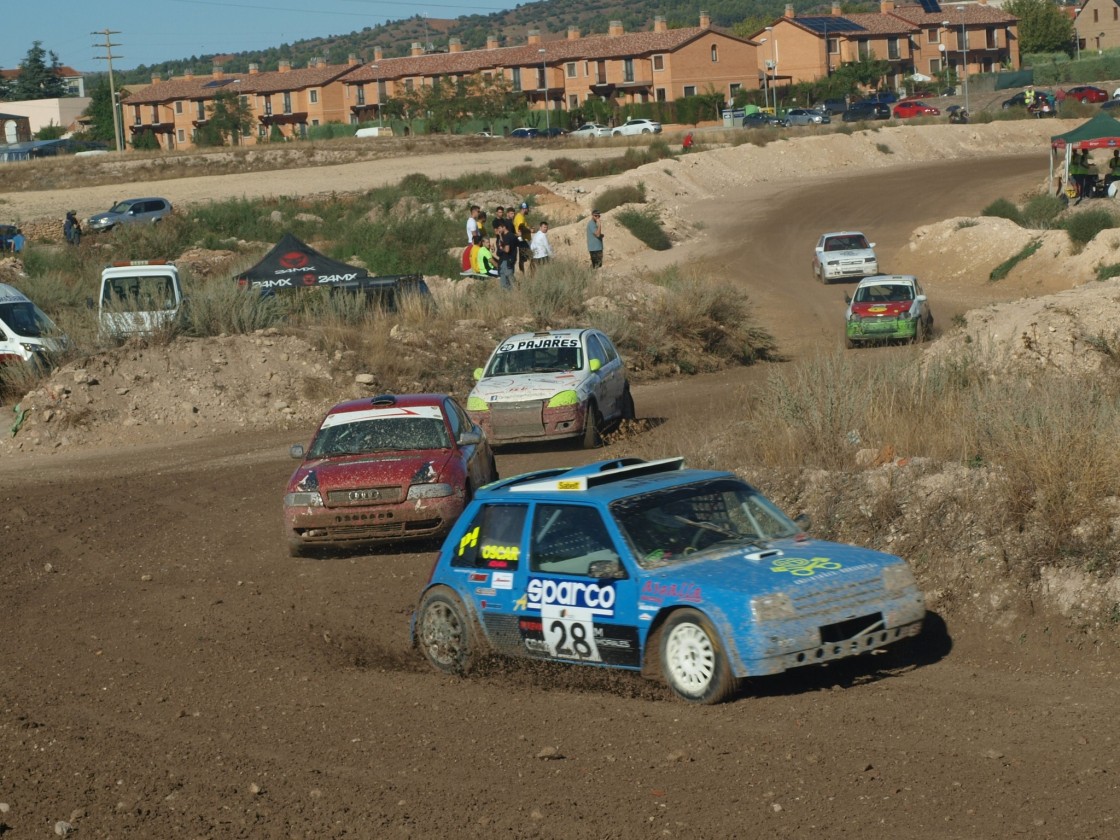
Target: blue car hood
[(780, 565)]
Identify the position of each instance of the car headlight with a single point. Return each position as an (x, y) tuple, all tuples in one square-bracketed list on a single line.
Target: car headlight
[(429, 491), (564, 398), (869, 259), (832, 262), (477, 404), (303, 499), (898, 579), (773, 607)]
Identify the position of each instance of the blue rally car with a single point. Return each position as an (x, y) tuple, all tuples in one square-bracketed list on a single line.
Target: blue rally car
[(692, 575)]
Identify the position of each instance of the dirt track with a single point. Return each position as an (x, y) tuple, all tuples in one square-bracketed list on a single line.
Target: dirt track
[(170, 672)]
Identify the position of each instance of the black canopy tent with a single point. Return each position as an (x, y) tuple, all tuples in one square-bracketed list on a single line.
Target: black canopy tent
[(292, 264)]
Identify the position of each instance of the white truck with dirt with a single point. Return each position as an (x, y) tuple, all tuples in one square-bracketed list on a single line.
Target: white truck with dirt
[(140, 297)]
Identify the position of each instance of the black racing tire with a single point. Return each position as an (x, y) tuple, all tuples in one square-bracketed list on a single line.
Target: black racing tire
[(445, 633), (646, 131), (296, 548), (592, 427), (628, 410), (693, 661), (849, 344)]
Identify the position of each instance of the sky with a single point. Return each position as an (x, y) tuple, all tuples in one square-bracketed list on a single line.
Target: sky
[(152, 31)]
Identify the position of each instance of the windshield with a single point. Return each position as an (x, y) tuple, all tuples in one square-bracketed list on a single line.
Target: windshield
[(26, 319), (139, 293), (845, 243), (121, 208), (383, 434), (668, 526), (884, 293), (537, 360)]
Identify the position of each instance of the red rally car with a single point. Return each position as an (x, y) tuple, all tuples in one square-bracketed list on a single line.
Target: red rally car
[(393, 467)]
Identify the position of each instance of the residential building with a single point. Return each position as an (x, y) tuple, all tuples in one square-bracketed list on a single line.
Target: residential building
[(660, 65), (41, 113), (1097, 26), (75, 82), (801, 48)]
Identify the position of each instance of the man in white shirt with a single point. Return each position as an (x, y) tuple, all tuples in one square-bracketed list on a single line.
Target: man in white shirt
[(542, 251), (472, 224)]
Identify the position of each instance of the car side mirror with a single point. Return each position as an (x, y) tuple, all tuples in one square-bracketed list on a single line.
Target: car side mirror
[(872, 245), (595, 365), (847, 298), (803, 522), (296, 451), (920, 299), (471, 438), (477, 374), (606, 570)]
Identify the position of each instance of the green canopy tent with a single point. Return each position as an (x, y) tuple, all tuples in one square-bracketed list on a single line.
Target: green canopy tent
[(1101, 132)]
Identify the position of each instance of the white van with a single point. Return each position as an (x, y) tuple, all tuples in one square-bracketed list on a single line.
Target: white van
[(26, 334), (139, 297)]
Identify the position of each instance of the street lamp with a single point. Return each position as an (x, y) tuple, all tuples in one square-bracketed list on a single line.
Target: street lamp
[(377, 70), (769, 65), (544, 90), (964, 56)]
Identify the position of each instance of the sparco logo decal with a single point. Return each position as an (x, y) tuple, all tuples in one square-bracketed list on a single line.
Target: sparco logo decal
[(597, 599)]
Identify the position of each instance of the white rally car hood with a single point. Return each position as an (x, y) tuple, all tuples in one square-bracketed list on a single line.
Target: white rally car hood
[(530, 386), (848, 254)]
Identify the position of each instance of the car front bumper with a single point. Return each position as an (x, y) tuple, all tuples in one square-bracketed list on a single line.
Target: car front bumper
[(882, 329), (849, 270), (414, 519), (530, 420)]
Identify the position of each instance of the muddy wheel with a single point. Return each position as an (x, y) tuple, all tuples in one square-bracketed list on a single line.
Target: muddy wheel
[(692, 659), (849, 344), (592, 425), (296, 548), (443, 632), (628, 411), (920, 334)]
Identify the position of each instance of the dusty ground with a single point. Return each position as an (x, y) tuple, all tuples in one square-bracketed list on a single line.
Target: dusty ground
[(168, 671)]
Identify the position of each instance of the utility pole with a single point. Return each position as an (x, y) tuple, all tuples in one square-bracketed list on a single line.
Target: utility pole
[(108, 47)]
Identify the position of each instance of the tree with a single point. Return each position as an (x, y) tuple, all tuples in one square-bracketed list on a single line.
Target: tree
[(228, 118), (490, 99), (1042, 26), (100, 112), (868, 72), (37, 79)]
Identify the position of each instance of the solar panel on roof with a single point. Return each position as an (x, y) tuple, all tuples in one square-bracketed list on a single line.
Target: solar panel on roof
[(219, 83), (828, 23), (931, 6)]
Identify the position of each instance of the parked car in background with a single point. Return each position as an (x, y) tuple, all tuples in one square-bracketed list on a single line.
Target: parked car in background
[(637, 125), (131, 211), (1111, 105), (394, 467), (843, 255), (887, 308), (807, 116), (591, 130), (138, 297), (866, 110), (1087, 93), (550, 385), (886, 97), (525, 133), (833, 106), (553, 131), (914, 108), (761, 119), (689, 574)]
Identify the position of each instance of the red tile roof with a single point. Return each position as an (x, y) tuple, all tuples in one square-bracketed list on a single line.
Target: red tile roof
[(970, 13), (204, 87), (877, 24)]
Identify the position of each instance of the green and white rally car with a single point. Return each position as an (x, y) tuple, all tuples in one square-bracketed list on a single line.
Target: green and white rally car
[(551, 385), (889, 307)]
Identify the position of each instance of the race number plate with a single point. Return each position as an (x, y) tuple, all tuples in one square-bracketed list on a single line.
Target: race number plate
[(569, 633)]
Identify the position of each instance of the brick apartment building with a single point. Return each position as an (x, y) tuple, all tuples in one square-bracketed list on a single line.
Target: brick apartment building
[(660, 65), (977, 36)]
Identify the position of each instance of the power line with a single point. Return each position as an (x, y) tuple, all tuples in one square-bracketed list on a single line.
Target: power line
[(108, 47)]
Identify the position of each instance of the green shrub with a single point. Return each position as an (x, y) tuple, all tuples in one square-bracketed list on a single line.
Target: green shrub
[(221, 307), (1004, 268), (617, 196), (646, 227), (1106, 272), (1083, 226), (1001, 208), (1042, 210)]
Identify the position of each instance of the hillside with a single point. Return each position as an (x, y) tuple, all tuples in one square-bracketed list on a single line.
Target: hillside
[(550, 16)]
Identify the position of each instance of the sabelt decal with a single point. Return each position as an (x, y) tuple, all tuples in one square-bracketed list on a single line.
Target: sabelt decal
[(595, 598), (569, 485), (803, 567), (537, 344), (502, 580)]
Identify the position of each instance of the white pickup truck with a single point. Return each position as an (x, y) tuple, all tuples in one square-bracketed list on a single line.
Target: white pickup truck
[(844, 255), (139, 297)]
